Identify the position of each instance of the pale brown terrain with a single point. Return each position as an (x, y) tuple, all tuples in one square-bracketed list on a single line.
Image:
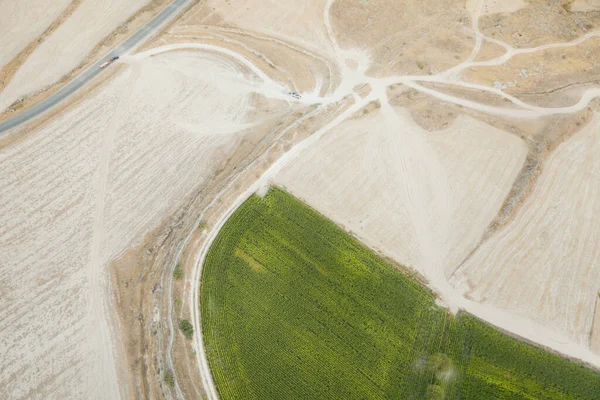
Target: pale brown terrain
[(365, 172), (23, 21), (551, 246), (456, 138), (67, 46), (113, 166)]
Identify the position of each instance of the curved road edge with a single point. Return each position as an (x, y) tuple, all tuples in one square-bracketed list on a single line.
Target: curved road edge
[(257, 186)]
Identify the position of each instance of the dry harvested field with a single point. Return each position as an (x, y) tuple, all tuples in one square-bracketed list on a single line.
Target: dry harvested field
[(585, 5), (458, 138), (282, 20), (540, 22), (499, 6), (552, 245), (408, 192), (89, 184), (23, 21), (67, 46)]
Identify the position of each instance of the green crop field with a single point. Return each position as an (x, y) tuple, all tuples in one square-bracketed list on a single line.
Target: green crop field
[(295, 308)]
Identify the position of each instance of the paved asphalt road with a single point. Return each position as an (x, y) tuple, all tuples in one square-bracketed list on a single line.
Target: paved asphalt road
[(92, 71)]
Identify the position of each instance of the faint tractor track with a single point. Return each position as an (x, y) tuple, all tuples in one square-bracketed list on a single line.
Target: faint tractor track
[(594, 321), (521, 189), (227, 185), (165, 253), (98, 309), (225, 39), (540, 148)]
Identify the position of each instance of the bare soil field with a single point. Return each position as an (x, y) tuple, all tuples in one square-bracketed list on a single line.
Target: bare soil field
[(457, 138), (89, 184), (585, 5), (540, 22), (500, 6), (406, 191), (409, 37), (23, 21), (551, 246), (67, 47), (544, 72)]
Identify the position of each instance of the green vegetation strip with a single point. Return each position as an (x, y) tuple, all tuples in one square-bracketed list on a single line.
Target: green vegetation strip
[(295, 308)]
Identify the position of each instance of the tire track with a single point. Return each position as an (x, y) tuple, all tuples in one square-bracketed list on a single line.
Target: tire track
[(98, 308)]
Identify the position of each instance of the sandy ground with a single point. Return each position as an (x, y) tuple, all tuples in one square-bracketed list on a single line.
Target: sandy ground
[(82, 189), (203, 118), (585, 5), (430, 205), (498, 6), (287, 20), (23, 21), (469, 167), (68, 46), (544, 71), (539, 22), (408, 37), (552, 246)]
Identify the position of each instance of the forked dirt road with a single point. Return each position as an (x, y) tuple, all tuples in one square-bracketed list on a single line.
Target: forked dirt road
[(341, 82), (87, 75), (351, 78)]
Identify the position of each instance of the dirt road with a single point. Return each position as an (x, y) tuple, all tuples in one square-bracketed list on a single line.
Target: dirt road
[(352, 77), (86, 76), (117, 163)]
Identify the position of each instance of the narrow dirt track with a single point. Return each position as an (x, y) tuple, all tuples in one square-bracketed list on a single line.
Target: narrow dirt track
[(352, 66), (354, 77)]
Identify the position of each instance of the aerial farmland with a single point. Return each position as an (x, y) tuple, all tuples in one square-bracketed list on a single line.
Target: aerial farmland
[(326, 199)]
